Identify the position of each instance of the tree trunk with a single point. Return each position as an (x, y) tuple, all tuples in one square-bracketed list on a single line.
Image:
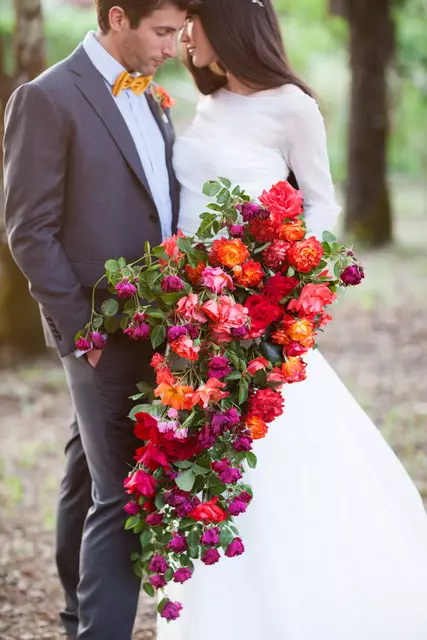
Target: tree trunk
[(368, 210), (20, 328)]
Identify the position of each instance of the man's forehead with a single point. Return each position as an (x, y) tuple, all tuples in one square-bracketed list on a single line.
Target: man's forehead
[(168, 17)]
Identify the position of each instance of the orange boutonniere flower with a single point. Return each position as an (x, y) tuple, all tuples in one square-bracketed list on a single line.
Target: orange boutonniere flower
[(162, 97)]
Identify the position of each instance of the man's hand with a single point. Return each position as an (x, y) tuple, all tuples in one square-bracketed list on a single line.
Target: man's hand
[(93, 357)]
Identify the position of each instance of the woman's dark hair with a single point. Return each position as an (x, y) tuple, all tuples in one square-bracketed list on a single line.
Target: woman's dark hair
[(246, 36), (135, 10)]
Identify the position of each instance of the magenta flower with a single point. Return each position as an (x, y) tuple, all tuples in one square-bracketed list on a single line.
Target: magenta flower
[(178, 543), (158, 564), (158, 582), (219, 367), (125, 289), (98, 340), (236, 548), (236, 507), (239, 332), (176, 332), (230, 475), (211, 556), (236, 230), (139, 317), (242, 444), (206, 438), (171, 284), (210, 538), (251, 210), (193, 331), (83, 344), (352, 275), (138, 332), (154, 519), (221, 466), (182, 575), (245, 496), (131, 508), (171, 610)]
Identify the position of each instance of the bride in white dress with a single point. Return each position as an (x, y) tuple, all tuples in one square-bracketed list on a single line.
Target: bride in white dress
[(336, 536)]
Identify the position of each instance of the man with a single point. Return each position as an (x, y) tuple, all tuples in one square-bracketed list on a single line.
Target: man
[(88, 176)]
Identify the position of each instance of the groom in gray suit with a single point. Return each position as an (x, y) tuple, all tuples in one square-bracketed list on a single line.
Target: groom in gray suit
[(88, 176)]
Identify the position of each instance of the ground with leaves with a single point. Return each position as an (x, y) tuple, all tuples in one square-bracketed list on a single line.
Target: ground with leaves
[(377, 344)]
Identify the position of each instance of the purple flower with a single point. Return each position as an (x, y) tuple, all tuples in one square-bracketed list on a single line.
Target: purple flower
[(139, 317), (172, 283), (206, 438), (184, 509), (193, 331), (219, 367), (171, 610), (210, 556), (225, 420), (171, 474), (235, 548), (83, 344), (158, 564), (352, 275), (230, 476), (236, 507), (242, 444), (98, 340), (182, 575), (138, 332), (210, 538), (221, 466), (154, 519), (176, 332), (125, 289), (239, 332), (132, 508), (178, 543), (251, 210), (236, 230), (233, 416), (245, 496), (158, 582)]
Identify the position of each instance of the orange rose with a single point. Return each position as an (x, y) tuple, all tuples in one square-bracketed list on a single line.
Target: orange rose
[(257, 427), (176, 396), (294, 370), (305, 255), (194, 273), (229, 253), (280, 336), (301, 331), (249, 274), (292, 232), (184, 347)]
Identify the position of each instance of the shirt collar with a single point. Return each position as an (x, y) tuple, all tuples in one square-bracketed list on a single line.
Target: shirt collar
[(107, 66)]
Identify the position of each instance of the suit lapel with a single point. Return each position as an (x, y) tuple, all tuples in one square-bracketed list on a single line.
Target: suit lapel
[(166, 128), (94, 89)]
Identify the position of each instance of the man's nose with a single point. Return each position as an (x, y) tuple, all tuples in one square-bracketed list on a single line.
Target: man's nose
[(170, 49), (183, 36)]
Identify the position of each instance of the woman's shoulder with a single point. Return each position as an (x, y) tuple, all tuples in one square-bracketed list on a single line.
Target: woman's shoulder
[(294, 99)]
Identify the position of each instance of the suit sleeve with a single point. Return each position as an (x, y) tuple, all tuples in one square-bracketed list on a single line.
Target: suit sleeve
[(35, 166)]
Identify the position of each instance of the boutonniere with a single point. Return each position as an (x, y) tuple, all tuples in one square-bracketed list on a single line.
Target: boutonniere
[(163, 99)]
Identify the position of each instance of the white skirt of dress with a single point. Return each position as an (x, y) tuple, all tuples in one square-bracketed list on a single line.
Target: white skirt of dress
[(336, 536)]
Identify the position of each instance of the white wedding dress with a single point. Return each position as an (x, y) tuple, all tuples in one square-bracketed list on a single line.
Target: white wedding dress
[(336, 536)]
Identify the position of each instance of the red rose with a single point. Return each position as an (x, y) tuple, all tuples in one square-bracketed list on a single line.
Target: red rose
[(279, 287), (305, 255), (145, 424), (152, 457), (262, 311), (208, 512), (266, 403), (142, 483), (283, 201), (263, 229)]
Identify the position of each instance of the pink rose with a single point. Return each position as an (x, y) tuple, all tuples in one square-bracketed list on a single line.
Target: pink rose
[(216, 279), (142, 483), (189, 308)]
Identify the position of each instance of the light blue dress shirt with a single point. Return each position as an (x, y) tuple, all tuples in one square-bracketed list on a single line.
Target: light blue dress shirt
[(143, 128)]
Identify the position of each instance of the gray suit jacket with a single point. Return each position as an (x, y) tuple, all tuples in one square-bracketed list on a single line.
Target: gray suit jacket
[(76, 191)]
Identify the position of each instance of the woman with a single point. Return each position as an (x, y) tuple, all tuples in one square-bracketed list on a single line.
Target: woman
[(336, 537)]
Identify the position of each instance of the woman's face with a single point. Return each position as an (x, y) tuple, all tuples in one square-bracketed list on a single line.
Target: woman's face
[(198, 46)]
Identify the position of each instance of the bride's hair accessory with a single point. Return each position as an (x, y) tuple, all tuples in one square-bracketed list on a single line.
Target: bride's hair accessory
[(258, 2)]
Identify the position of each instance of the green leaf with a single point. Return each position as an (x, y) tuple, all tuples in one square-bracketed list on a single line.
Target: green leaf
[(226, 537), (186, 523), (155, 410), (337, 270), (144, 388), (243, 393), (97, 322), (226, 182), (134, 556), (147, 552), (149, 589), (272, 352), (223, 196), (145, 538), (169, 574), (183, 464), (162, 604), (110, 307), (137, 569), (198, 470), (185, 244), (159, 501), (185, 480), (111, 266), (251, 459), (158, 335), (132, 522), (111, 324), (214, 207), (194, 538), (327, 236), (122, 263), (235, 375), (155, 313), (211, 188)]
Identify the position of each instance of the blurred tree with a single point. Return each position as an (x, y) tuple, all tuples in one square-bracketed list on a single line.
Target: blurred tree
[(372, 45), (20, 328)]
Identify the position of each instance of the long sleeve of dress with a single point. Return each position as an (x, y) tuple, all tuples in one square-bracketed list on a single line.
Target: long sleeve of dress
[(307, 156)]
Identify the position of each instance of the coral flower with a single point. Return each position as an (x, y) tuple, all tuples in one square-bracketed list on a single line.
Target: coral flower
[(229, 253), (257, 427), (176, 396), (211, 392)]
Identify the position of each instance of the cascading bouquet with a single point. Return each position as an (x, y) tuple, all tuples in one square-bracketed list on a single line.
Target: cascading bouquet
[(237, 313)]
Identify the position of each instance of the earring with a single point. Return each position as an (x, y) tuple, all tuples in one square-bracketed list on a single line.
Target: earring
[(217, 68)]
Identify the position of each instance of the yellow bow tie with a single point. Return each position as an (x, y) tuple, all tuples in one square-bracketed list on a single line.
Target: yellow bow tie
[(138, 84)]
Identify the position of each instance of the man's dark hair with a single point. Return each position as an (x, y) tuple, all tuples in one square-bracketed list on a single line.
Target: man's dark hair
[(135, 10)]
